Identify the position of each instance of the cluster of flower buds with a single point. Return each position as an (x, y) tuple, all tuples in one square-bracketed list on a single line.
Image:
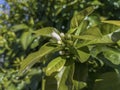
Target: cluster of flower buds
[(57, 37)]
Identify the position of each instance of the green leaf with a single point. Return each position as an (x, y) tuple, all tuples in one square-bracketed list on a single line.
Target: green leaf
[(62, 81), (94, 20), (80, 76), (72, 30), (55, 65), (115, 22), (116, 36), (64, 78), (89, 34), (107, 28), (79, 85), (35, 43), (103, 40), (79, 17), (108, 81), (11, 87), (34, 57), (82, 27), (26, 39), (49, 83), (83, 56), (2, 41), (19, 27), (47, 31), (93, 31), (97, 49), (118, 43), (113, 55), (84, 37)]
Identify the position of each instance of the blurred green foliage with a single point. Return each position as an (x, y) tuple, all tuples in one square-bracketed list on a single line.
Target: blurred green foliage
[(17, 40)]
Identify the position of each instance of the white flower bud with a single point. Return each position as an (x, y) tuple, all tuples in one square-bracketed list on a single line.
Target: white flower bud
[(61, 52), (56, 36), (62, 34), (59, 42)]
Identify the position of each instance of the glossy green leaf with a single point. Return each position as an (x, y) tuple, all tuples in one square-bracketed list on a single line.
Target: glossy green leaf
[(84, 37), (94, 20), (19, 27), (83, 56), (82, 27), (103, 40), (79, 85), (93, 31), (107, 28), (115, 22), (72, 30), (34, 44), (47, 31), (26, 39), (97, 49), (32, 58), (113, 55), (78, 17), (55, 65), (62, 81), (64, 78)]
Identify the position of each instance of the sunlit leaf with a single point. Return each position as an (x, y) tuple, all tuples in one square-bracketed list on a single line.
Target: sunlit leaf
[(26, 39), (79, 85), (32, 58), (107, 28), (83, 56), (118, 43), (94, 20), (115, 22), (47, 31), (113, 55), (55, 65), (103, 40), (19, 27), (64, 78), (84, 37), (78, 17), (82, 27), (93, 31)]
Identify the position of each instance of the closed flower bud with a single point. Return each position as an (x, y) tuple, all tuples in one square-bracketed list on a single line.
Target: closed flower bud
[(61, 52), (62, 34), (59, 42), (56, 36)]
